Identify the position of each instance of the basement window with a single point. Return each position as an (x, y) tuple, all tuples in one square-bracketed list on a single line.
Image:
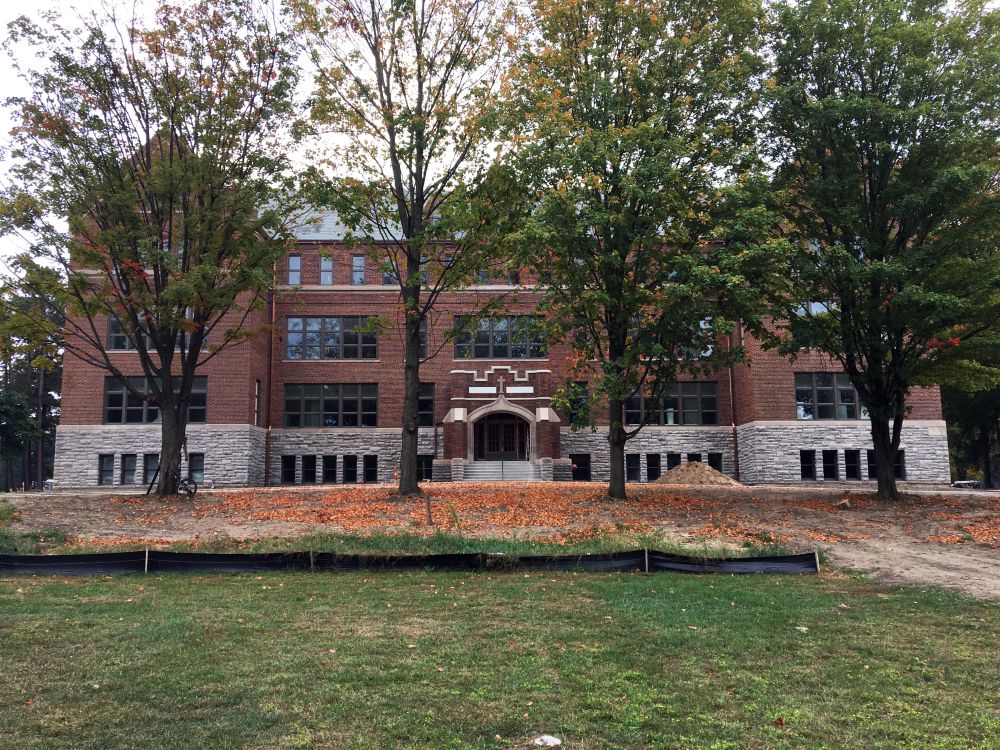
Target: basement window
[(350, 469), (807, 462), (673, 460), (852, 465), (309, 470), (196, 467), (288, 469), (831, 470), (581, 466), (128, 468), (329, 469), (370, 464), (632, 468), (425, 467), (106, 468), (150, 467), (694, 458), (715, 461), (652, 467)]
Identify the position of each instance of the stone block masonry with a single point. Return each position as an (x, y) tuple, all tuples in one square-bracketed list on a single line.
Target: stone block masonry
[(384, 442), (234, 454), (770, 451), (651, 439)]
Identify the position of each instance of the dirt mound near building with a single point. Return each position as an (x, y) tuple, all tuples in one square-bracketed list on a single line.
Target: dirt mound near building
[(695, 472)]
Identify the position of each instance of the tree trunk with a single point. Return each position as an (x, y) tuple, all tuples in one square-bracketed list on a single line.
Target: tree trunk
[(984, 443), (40, 458), (885, 458), (411, 393), (616, 442), (172, 430)]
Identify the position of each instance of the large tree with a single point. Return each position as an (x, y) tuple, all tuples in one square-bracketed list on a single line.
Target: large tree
[(885, 124), (161, 143), (633, 140), (403, 96)]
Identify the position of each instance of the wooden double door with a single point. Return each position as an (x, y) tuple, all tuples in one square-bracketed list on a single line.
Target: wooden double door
[(501, 437)]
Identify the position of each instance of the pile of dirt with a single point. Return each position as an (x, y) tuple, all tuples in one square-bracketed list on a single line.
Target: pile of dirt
[(695, 472)]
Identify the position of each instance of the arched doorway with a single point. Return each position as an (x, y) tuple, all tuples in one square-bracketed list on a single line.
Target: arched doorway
[(501, 436)]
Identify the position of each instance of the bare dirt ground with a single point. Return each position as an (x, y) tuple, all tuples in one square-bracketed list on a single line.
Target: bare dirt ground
[(949, 538)]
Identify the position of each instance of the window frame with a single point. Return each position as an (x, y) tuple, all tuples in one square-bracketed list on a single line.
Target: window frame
[(105, 469), (425, 405), (325, 334), (484, 342), (326, 270), (807, 397), (294, 270), (358, 273), (363, 416), (674, 406), (150, 412)]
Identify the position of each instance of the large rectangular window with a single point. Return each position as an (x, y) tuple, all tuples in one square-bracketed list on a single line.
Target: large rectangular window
[(121, 406), (680, 403), (294, 269), (326, 271), (826, 395), (330, 338), (331, 405), (425, 405), (118, 340), (357, 270), (510, 337)]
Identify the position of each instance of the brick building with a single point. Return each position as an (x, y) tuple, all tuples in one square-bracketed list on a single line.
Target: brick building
[(318, 400)]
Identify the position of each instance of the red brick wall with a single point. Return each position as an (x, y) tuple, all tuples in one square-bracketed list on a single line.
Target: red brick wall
[(764, 387)]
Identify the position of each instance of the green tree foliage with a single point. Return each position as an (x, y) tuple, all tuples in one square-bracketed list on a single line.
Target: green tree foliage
[(633, 141), (885, 117), (161, 142), (973, 429), (404, 92), (31, 367)]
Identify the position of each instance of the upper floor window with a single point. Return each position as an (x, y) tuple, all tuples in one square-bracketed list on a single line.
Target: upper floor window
[(330, 338), (118, 340), (326, 271), (357, 269), (815, 308), (331, 405), (509, 337), (294, 269), (826, 395), (425, 405), (121, 406), (389, 276), (680, 403)]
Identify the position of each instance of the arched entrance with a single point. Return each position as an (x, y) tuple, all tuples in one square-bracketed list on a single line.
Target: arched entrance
[(501, 436)]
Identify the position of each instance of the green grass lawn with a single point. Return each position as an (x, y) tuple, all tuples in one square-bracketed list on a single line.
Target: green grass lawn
[(447, 660)]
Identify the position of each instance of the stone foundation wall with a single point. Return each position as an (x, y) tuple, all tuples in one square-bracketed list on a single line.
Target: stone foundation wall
[(234, 454), (769, 451), (651, 439), (384, 442)]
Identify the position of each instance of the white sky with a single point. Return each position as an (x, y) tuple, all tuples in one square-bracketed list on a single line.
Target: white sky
[(11, 85)]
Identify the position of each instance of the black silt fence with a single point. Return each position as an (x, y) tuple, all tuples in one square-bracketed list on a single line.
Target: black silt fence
[(155, 561)]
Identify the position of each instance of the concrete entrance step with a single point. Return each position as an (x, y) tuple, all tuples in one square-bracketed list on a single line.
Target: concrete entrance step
[(499, 471)]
